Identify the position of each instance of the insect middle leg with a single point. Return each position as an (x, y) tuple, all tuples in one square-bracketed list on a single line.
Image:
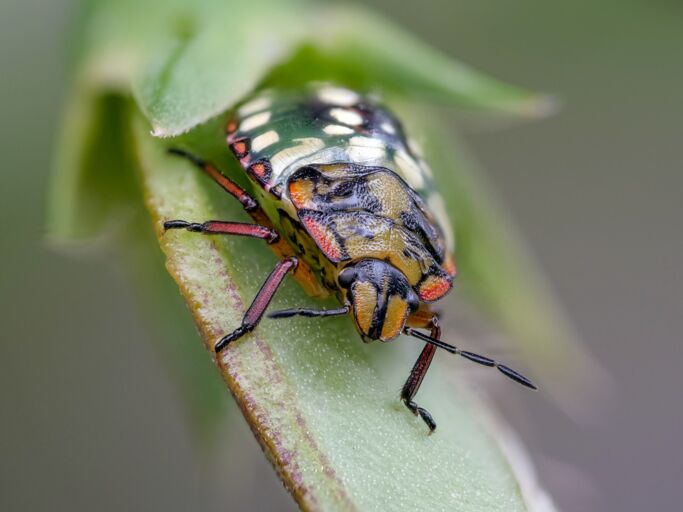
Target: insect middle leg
[(218, 227), (417, 374)]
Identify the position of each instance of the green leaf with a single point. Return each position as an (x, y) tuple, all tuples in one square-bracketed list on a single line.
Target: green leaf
[(216, 63), (323, 405), (217, 59)]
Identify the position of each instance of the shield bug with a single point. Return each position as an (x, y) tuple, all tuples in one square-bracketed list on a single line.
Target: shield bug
[(347, 202)]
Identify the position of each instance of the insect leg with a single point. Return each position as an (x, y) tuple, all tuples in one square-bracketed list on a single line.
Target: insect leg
[(417, 374), (260, 303), (281, 247), (217, 227), (232, 188), (263, 229)]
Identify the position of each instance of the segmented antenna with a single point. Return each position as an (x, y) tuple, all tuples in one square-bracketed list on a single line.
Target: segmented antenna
[(287, 313), (485, 361)]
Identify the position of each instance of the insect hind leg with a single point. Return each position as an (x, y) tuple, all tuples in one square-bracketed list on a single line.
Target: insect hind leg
[(232, 188)]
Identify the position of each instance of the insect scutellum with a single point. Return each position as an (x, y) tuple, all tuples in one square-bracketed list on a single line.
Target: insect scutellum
[(346, 201)]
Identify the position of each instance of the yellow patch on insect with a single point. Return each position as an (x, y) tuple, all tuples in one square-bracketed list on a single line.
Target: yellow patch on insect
[(397, 311), (365, 300)]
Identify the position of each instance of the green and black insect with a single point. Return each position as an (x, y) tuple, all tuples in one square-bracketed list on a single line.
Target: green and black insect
[(347, 202)]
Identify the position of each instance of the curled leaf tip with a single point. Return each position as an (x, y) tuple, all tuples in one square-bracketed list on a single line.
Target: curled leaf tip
[(539, 106)]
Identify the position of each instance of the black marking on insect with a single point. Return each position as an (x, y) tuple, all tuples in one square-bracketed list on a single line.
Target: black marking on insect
[(346, 201)]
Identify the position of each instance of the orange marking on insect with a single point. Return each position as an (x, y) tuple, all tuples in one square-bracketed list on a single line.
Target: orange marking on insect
[(300, 193), (239, 147), (232, 126), (434, 288), (422, 318), (259, 170), (449, 266), (323, 238)]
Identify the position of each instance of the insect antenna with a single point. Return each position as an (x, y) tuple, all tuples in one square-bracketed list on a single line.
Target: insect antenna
[(287, 313), (485, 361)]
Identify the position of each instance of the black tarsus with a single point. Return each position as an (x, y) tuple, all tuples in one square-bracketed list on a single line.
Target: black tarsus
[(288, 313), (182, 224), (485, 361), (423, 413), (234, 335)]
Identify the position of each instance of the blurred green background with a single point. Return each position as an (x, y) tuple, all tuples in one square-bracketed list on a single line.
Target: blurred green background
[(91, 419)]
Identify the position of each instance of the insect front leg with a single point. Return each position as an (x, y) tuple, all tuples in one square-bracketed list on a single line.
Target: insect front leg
[(253, 315), (417, 374)]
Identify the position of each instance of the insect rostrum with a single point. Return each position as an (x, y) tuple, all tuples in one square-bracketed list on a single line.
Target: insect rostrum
[(347, 202)]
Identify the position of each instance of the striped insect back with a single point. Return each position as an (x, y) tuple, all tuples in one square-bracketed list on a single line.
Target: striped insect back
[(324, 124)]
